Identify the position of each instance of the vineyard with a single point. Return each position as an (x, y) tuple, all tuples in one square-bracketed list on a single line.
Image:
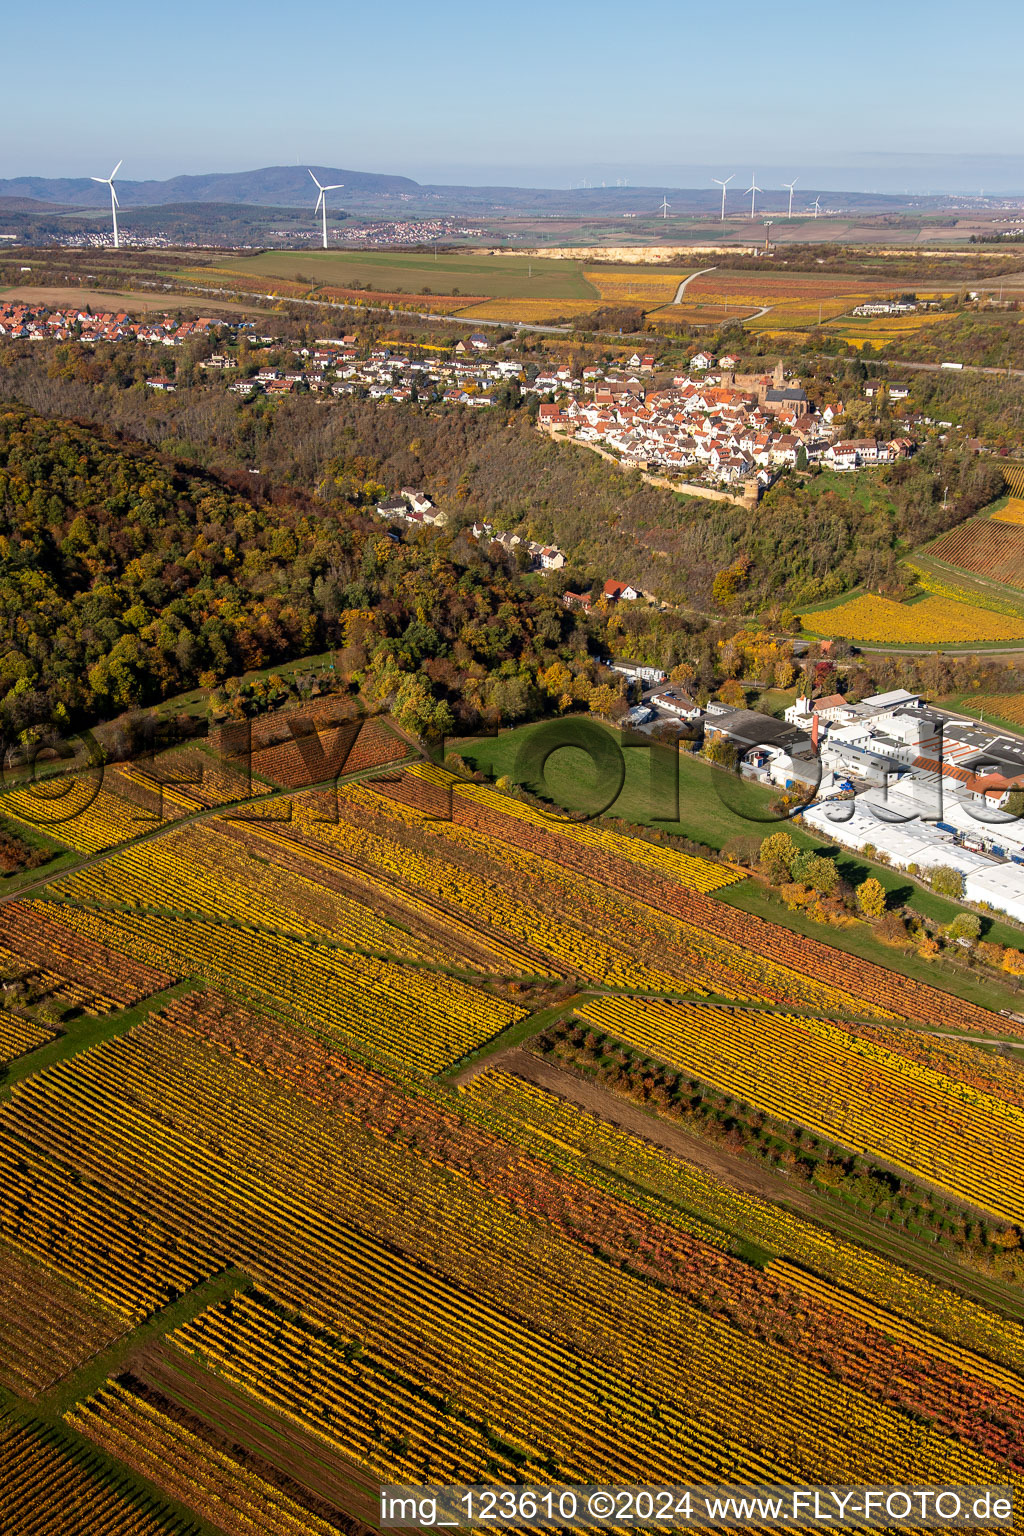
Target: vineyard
[(530, 311), (853, 1091), (931, 620), (279, 1218), (649, 286), (986, 547)]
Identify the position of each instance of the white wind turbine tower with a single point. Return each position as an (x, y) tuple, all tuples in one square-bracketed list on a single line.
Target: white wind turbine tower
[(791, 185), (108, 181), (321, 202), (723, 185), (663, 207), (817, 206), (753, 189)]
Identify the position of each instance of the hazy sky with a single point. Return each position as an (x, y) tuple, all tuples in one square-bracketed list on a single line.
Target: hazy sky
[(541, 92)]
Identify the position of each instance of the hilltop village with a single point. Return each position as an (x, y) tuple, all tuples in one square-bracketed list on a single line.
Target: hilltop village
[(728, 428), (709, 426)]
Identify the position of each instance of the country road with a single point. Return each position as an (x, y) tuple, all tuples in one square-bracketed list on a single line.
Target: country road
[(686, 280)]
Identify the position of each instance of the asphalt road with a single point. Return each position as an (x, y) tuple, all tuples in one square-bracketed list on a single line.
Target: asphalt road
[(683, 285)]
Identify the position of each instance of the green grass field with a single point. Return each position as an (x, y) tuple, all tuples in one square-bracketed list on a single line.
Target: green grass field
[(715, 808), (499, 277)]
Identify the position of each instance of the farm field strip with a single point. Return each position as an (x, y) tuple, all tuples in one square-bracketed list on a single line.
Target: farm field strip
[(42, 1485), (705, 311), (528, 311), (698, 874), (838, 1086), (986, 547), (457, 277), (930, 621), (485, 1283), (18, 1035), (237, 1176), (959, 586), (900, 1328), (374, 1005), (168, 1455), (415, 1323), (788, 966), (48, 1327), (650, 285), (566, 939), (678, 1192)]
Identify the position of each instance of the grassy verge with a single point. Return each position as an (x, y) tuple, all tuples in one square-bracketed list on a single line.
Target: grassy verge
[(516, 1034), (859, 940), (712, 807), (82, 1034), (715, 808), (91, 1376)]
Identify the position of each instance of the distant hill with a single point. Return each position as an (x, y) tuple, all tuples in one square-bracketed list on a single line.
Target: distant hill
[(29, 205), (289, 186), (285, 186)]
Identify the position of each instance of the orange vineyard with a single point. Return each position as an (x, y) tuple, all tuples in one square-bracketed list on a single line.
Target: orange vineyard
[(281, 1214)]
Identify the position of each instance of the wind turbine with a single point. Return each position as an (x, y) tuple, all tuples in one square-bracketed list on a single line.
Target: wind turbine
[(664, 207), (108, 181), (723, 185), (817, 206), (321, 202), (753, 189), (791, 185)]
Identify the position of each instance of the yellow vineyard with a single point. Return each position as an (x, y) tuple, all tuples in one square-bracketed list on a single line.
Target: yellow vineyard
[(643, 286), (1008, 706), (931, 621), (1013, 512)]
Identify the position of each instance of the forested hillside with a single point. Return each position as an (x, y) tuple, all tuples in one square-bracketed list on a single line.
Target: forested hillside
[(125, 579), (805, 543)]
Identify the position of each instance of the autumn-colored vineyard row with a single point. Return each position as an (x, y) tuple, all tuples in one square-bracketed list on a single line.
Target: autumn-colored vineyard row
[(855, 985), (927, 621), (46, 1493), (679, 1193), (18, 1035), (252, 1140), (368, 1004), (986, 547), (1011, 512), (101, 977), (67, 1325), (850, 1090), (260, 285), (166, 1453)]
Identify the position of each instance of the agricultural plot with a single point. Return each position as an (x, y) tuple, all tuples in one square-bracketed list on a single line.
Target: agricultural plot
[(1012, 512), (801, 314), (930, 620), (988, 547), (853, 1091), (647, 286), (1004, 706), (261, 1252), (451, 274), (530, 311), (775, 287)]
